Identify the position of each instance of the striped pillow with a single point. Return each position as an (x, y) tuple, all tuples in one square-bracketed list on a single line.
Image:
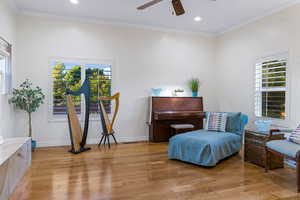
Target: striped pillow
[(295, 136), (216, 122)]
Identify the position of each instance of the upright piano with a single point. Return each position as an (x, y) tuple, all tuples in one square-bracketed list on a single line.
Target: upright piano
[(165, 111)]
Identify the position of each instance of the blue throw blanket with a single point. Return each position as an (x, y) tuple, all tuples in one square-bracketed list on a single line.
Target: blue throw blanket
[(203, 147)]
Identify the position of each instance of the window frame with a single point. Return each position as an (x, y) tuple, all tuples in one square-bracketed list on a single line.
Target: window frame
[(63, 118), (2, 73), (6, 72), (281, 55)]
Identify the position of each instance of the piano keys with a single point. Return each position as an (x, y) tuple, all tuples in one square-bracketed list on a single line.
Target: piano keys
[(165, 111)]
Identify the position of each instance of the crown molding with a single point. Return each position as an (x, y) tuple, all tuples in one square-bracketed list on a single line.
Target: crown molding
[(112, 22), (266, 14)]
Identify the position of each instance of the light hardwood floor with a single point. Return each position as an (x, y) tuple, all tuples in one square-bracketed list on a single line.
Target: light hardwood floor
[(142, 171)]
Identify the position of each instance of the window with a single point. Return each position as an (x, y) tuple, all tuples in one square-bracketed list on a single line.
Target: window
[(5, 66), (71, 75), (271, 88)]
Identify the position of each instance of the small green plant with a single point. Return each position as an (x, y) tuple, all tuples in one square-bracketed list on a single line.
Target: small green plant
[(194, 84), (28, 99)]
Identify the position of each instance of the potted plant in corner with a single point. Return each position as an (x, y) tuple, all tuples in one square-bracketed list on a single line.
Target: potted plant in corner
[(28, 99), (194, 86)]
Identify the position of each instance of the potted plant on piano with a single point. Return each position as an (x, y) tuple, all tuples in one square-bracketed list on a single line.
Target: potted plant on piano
[(194, 86), (29, 99)]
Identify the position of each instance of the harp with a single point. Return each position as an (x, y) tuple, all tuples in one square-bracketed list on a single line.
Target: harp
[(77, 136), (107, 124)]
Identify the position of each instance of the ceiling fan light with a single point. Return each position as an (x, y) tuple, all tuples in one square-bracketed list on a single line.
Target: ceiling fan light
[(197, 19), (74, 1)]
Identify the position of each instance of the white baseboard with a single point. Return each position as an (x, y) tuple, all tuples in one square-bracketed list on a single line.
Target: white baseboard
[(53, 143), (131, 139)]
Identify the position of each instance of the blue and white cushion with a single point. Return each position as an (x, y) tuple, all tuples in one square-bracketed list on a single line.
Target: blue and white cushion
[(216, 122), (295, 136)]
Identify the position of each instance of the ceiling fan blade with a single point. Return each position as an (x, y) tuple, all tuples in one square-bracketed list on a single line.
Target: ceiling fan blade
[(179, 10), (149, 4)]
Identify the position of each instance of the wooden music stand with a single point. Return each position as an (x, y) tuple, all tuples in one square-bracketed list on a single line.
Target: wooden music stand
[(107, 125)]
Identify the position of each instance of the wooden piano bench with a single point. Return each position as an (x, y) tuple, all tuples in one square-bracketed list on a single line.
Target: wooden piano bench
[(181, 128)]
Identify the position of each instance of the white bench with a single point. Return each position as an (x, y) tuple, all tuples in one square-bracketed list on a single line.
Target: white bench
[(181, 128)]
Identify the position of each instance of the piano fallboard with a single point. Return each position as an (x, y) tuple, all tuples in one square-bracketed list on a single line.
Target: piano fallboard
[(165, 111), (173, 115)]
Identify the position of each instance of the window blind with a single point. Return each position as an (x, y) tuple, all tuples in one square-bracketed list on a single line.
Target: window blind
[(65, 76), (271, 88), (71, 75), (100, 84), (5, 46)]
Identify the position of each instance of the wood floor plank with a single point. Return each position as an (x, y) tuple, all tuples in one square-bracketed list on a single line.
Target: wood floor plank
[(142, 171)]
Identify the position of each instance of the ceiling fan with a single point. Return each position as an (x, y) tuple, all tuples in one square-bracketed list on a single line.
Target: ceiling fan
[(177, 5)]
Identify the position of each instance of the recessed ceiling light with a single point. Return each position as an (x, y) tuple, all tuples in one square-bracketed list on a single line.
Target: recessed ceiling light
[(197, 19), (74, 1)]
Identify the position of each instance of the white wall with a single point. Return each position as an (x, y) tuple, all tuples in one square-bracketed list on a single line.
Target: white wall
[(143, 59), (238, 50), (146, 58), (7, 31)]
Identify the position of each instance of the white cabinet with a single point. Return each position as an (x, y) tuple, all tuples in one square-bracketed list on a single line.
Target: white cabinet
[(15, 160)]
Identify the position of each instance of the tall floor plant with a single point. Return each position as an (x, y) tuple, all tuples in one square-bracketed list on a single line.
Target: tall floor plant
[(29, 99)]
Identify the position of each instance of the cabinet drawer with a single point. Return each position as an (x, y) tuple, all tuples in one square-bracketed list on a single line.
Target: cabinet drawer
[(255, 154), (17, 166), (12, 169), (254, 141), (255, 136)]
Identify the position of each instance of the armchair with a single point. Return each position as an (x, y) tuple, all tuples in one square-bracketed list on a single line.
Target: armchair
[(284, 148)]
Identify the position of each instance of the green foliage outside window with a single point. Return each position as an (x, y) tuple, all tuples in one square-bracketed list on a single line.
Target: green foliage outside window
[(100, 86), (69, 76)]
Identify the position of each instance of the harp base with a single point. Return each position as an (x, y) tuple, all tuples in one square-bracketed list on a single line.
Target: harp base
[(105, 136), (83, 149)]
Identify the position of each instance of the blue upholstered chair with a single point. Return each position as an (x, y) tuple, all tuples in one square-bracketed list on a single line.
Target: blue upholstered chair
[(284, 148)]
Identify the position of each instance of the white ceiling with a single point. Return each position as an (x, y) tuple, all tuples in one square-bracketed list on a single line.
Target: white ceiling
[(217, 16)]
